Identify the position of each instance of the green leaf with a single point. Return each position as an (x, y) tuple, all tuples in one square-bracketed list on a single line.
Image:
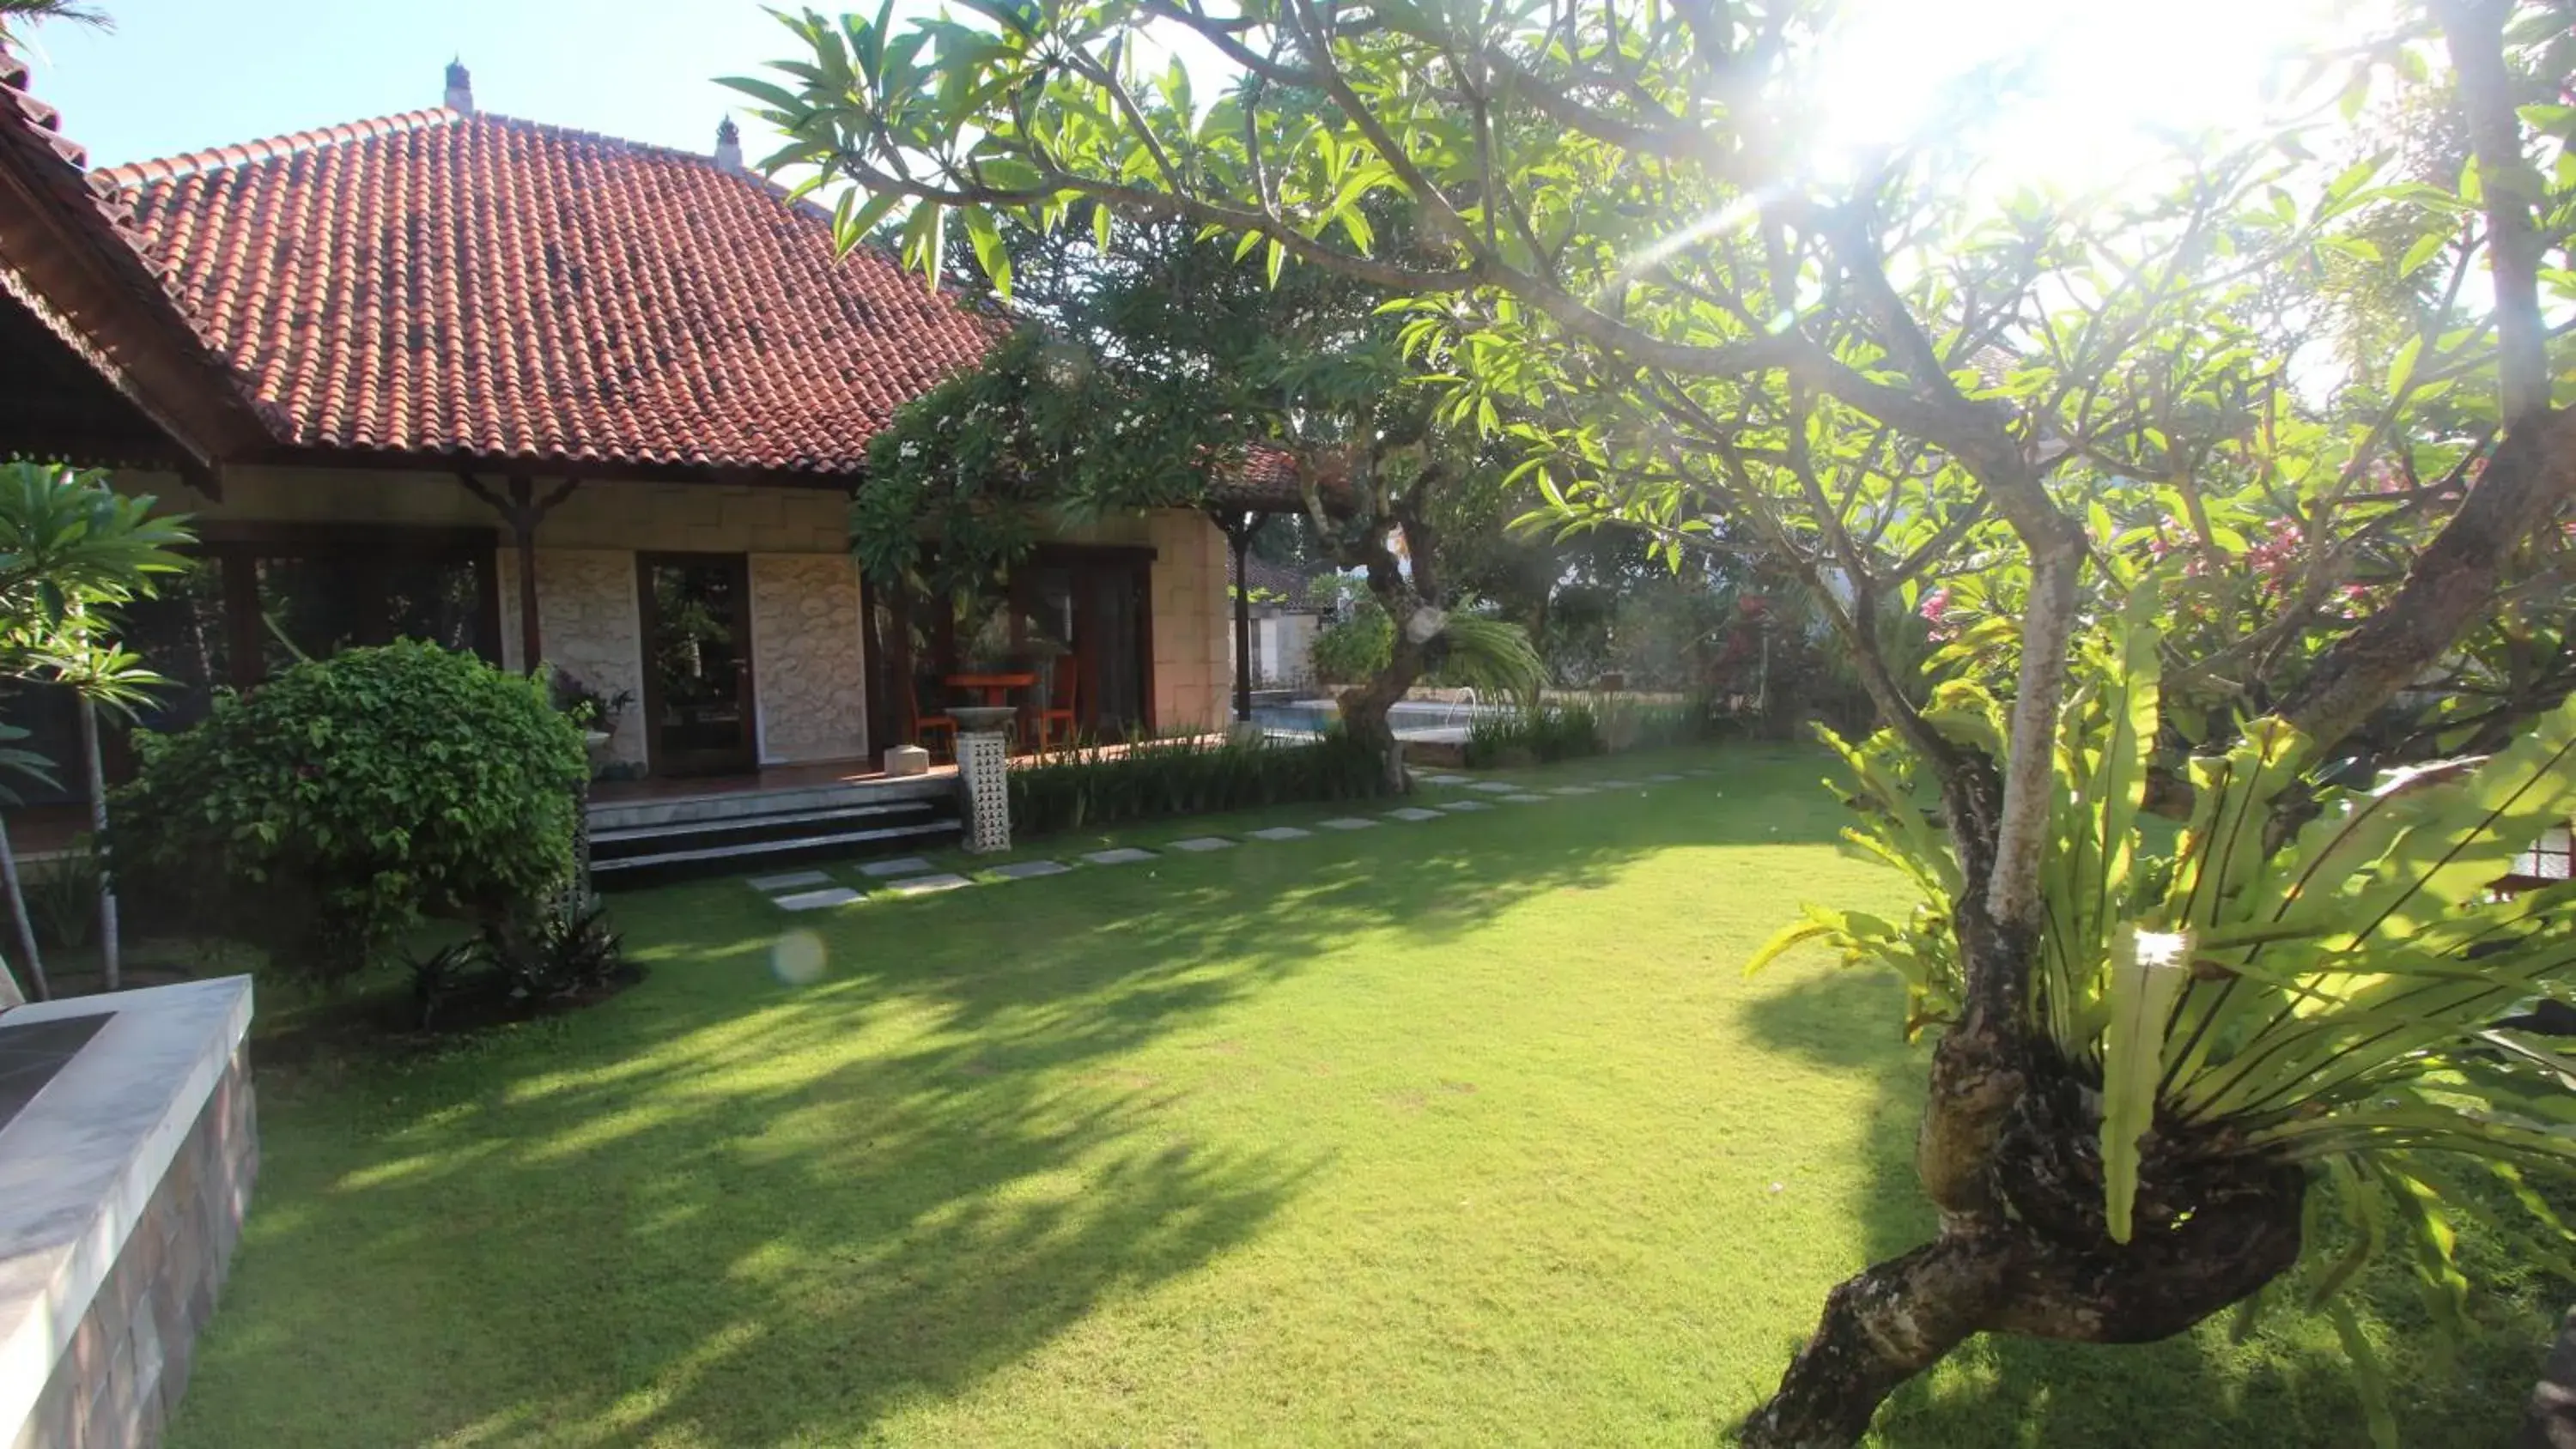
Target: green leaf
[(990, 253), (2369, 1380), (2148, 972)]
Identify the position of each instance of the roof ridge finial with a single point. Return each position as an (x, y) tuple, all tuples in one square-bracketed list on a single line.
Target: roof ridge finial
[(460, 87), (728, 144)]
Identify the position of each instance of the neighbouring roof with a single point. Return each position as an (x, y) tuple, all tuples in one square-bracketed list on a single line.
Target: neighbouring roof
[(1277, 583), (98, 363), (498, 290), (1266, 480)]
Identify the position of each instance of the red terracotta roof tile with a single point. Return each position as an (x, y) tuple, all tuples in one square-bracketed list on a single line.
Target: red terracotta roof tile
[(470, 284)]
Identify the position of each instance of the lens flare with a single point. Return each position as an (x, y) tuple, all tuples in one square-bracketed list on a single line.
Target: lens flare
[(798, 958)]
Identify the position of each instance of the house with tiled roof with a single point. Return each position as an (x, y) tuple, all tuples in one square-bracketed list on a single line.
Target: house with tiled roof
[(560, 397)]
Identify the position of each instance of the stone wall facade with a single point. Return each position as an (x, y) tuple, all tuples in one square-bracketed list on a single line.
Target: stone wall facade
[(809, 672), (1193, 622), (590, 620), (119, 1379)]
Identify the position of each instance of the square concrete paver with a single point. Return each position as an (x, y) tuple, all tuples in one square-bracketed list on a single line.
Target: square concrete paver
[(922, 885), (817, 900), (1348, 822), (1121, 856), (1524, 799), (1614, 784), (1466, 805), (1444, 779), (1413, 812), (1665, 779), (900, 865), (792, 880), (1030, 869), (1495, 787), (1201, 844), (1281, 832), (1573, 790)]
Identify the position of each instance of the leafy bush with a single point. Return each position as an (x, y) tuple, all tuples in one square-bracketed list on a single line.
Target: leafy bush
[(62, 896), (340, 804), (1356, 646), (1186, 775), (567, 951), (1541, 736)]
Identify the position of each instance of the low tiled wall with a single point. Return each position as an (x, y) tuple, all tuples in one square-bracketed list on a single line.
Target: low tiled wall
[(152, 1275)]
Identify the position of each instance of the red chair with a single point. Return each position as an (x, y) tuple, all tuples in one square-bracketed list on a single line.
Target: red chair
[(926, 724), (1060, 707)]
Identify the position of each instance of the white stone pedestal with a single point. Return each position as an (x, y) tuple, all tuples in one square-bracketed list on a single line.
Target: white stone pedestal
[(981, 777), (907, 760)]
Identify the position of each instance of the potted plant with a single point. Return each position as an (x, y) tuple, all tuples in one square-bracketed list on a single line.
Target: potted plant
[(594, 712)]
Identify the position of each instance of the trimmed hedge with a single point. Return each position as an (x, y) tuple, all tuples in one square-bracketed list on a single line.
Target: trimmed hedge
[(1090, 785)]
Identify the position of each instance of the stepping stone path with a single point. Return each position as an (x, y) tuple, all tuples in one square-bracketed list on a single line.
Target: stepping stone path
[(1444, 779), (792, 880), (1281, 832), (1525, 799), (1201, 844), (1029, 869), (1348, 822), (1665, 779), (922, 885), (1614, 784), (1411, 812), (1466, 805), (817, 900), (901, 865), (1496, 787), (1121, 856), (1573, 790)]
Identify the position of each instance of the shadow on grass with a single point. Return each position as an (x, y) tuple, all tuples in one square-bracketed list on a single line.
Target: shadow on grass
[(2288, 1386), (727, 1209)]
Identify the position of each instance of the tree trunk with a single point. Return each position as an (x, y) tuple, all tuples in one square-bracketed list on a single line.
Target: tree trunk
[(1365, 708), (18, 913), (2214, 1223), (110, 964)]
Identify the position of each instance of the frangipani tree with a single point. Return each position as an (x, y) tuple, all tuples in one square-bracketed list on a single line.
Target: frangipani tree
[(71, 552), (2008, 413)]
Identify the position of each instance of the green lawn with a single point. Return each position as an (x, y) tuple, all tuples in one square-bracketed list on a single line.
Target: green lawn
[(1461, 1132)]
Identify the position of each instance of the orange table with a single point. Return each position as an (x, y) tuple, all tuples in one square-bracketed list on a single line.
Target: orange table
[(996, 687)]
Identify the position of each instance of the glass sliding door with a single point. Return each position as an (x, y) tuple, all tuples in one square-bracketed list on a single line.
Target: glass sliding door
[(697, 657)]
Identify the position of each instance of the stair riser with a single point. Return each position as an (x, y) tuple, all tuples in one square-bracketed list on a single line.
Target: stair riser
[(756, 829), (630, 815), (783, 858)]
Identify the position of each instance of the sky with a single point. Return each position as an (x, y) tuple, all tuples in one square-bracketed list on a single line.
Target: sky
[(180, 75)]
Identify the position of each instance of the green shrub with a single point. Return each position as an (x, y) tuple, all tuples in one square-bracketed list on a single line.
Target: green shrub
[(1541, 736), (1355, 647), (340, 804), (62, 895), (1186, 775)]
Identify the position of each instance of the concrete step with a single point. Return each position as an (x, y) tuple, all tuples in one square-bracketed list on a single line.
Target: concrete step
[(613, 815), (756, 854), (891, 812)]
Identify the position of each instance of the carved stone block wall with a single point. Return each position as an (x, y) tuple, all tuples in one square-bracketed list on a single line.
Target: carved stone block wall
[(808, 664), (1193, 622), (591, 622)]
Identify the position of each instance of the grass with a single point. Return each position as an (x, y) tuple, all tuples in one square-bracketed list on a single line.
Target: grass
[(1462, 1132)]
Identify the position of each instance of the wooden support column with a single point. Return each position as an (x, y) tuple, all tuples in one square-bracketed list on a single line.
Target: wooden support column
[(522, 511), (1238, 529)]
